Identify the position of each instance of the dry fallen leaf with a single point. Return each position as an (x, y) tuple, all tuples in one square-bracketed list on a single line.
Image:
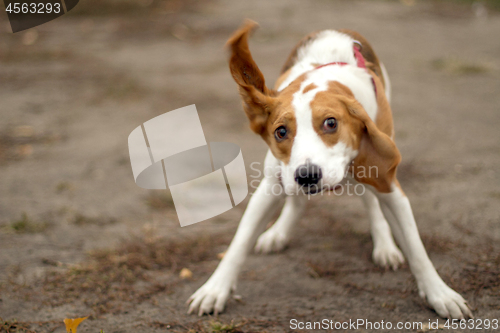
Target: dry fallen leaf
[(25, 150), (185, 273), (72, 324)]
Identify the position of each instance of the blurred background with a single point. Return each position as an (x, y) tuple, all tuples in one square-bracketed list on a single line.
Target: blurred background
[(78, 237)]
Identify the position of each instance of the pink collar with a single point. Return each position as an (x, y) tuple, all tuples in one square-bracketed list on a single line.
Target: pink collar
[(360, 61)]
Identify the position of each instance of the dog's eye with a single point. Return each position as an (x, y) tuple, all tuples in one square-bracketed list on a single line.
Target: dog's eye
[(280, 133), (330, 125)]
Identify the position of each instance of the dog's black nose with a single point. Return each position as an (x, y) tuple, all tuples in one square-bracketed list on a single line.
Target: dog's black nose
[(308, 174)]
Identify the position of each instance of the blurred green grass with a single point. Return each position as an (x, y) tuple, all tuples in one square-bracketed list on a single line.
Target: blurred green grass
[(25, 225)]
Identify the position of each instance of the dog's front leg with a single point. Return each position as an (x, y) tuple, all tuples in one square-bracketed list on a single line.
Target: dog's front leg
[(443, 299), (385, 251), (276, 238), (212, 296)]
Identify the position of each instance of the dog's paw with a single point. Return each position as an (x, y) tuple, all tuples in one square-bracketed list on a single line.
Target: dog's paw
[(388, 255), (211, 297), (445, 301), (271, 241)]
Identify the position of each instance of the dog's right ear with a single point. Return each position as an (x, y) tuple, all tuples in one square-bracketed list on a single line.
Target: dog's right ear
[(257, 99)]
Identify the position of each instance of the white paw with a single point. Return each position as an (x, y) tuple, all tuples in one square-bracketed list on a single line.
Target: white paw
[(445, 301), (271, 240), (388, 255), (212, 296)]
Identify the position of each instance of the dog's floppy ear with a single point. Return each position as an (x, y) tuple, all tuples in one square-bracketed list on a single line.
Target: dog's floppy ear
[(378, 155), (257, 98)]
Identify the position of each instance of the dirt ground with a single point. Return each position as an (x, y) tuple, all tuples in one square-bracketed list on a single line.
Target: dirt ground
[(79, 238)]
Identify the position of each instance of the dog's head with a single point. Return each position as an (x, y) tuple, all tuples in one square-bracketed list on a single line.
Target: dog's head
[(314, 126)]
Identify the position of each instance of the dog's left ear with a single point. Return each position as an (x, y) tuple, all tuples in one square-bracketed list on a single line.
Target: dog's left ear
[(257, 98), (378, 155)]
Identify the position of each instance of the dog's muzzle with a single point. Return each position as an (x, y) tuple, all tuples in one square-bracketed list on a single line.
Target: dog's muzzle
[(308, 175)]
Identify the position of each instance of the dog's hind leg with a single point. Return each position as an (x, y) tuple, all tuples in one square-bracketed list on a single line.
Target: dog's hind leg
[(385, 251), (276, 238)]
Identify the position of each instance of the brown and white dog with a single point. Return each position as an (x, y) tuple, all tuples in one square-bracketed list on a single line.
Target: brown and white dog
[(327, 119)]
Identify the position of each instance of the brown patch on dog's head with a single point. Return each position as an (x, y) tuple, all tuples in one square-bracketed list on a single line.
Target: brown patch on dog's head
[(283, 114), (309, 88), (330, 104)]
